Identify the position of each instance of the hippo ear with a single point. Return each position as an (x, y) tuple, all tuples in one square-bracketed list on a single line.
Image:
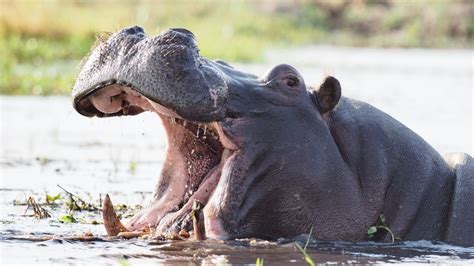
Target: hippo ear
[(328, 94)]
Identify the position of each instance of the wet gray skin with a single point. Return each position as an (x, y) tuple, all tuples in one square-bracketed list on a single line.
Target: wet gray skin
[(269, 156)]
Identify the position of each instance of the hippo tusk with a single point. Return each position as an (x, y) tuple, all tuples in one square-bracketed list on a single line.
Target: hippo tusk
[(198, 221), (112, 223)]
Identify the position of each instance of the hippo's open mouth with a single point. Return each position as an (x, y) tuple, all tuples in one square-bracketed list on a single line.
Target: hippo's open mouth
[(196, 156), (130, 73)]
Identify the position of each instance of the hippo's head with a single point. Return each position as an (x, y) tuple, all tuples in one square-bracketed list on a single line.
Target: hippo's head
[(237, 143)]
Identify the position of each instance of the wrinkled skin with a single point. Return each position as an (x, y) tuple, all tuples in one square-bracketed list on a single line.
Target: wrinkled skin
[(269, 156)]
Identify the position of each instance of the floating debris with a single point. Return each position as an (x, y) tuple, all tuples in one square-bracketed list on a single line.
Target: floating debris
[(184, 234), (38, 211), (67, 218), (130, 235), (75, 203)]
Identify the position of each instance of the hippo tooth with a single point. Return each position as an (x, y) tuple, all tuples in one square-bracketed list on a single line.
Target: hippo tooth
[(112, 223), (110, 82), (198, 221), (189, 169)]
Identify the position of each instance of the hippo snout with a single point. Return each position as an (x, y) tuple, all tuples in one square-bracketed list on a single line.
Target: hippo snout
[(167, 69)]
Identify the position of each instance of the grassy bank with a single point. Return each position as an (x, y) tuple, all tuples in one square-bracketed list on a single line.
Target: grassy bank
[(41, 43)]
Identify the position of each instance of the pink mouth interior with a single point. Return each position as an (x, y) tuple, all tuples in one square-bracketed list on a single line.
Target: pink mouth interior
[(196, 155)]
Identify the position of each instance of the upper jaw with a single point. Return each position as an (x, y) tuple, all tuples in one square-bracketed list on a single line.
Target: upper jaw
[(166, 69), (117, 100)]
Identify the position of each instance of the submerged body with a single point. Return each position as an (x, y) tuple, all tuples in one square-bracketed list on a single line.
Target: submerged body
[(270, 157)]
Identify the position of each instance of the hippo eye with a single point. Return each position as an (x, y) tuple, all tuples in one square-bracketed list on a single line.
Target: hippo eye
[(291, 81)]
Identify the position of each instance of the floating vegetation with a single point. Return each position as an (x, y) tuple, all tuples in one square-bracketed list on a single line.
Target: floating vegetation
[(124, 262), (309, 238), (50, 199), (380, 224), (306, 257), (38, 211), (43, 160), (68, 208), (133, 167), (75, 203), (67, 218)]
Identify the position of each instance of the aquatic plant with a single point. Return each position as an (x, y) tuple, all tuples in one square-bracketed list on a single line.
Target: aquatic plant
[(380, 224)]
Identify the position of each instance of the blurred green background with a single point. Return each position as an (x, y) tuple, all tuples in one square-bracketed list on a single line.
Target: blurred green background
[(42, 42)]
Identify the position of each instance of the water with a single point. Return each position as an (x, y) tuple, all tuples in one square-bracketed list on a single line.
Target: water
[(45, 143)]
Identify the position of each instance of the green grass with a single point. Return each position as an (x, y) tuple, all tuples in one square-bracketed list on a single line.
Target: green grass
[(306, 257), (41, 43)]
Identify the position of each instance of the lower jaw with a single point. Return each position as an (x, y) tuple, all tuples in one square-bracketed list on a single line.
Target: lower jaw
[(213, 226), (164, 223), (168, 228)]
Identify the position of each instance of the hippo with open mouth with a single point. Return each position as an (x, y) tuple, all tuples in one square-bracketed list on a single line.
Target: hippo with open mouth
[(269, 156)]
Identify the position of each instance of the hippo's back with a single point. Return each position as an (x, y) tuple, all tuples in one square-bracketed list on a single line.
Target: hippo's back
[(461, 221)]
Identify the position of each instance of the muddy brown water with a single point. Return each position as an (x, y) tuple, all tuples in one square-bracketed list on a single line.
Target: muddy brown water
[(45, 143)]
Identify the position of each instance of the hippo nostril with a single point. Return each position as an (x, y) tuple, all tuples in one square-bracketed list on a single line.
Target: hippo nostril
[(184, 31), (135, 30)]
